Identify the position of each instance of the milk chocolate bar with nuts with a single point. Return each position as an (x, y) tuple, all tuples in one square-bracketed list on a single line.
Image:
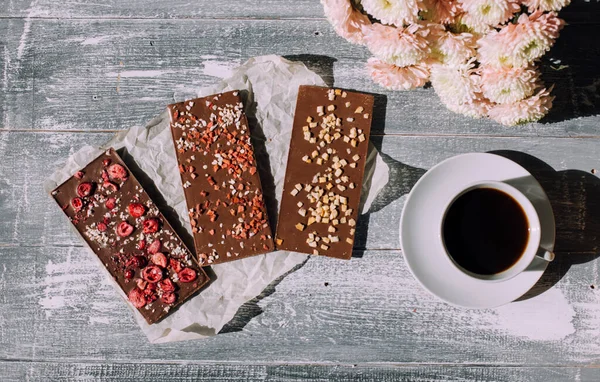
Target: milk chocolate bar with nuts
[(125, 229), (219, 176), (325, 169)]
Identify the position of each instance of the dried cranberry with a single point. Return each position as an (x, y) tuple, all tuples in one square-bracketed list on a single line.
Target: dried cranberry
[(150, 225), (186, 275), (110, 186), (129, 274), (136, 209), (105, 162), (159, 259), (150, 288), (141, 244), (136, 262), (175, 265), (151, 298), (77, 204), (152, 273), (85, 189), (117, 172), (168, 298), (166, 285), (124, 229), (110, 203), (102, 227), (79, 174), (105, 176), (141, 283), (137, 298), (154, 247)]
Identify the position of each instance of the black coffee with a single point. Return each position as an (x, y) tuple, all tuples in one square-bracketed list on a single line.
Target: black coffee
[(485, 231)]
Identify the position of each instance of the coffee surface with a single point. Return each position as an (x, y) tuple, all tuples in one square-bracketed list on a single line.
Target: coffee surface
[(485, 231)]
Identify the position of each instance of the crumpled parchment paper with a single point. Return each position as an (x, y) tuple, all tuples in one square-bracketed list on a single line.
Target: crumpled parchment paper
[(271, 88)]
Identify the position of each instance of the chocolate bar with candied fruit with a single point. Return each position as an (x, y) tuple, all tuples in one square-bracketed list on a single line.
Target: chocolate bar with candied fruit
[(219, 175), (130, 236)]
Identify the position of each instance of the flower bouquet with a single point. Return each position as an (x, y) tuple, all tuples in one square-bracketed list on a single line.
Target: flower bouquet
[(479, 55)]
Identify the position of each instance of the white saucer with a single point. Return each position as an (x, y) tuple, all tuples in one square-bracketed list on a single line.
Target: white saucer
[(420, 233)]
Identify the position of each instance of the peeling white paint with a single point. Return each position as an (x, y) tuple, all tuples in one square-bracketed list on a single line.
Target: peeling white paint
[(95, 40), (547, 317), (218, 69)]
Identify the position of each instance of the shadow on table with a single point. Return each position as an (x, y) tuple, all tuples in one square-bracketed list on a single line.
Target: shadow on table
[(322, 65), (575, 199), (571, 65)]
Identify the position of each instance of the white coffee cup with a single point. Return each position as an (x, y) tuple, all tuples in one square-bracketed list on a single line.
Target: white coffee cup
[(532, 249)]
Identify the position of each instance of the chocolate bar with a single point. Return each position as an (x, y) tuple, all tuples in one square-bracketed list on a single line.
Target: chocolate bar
[(125, 229), (325, 169), (219, 177)]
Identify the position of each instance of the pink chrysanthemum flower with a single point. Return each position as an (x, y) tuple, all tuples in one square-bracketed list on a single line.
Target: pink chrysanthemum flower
[(508, 85), (347, 21), (398, 46), (393, 12), (490, 12), (546, 5), (459, 88), (396, 78), (520, 44), (527, 110), (465, 23), (449, 48), (440, 11)]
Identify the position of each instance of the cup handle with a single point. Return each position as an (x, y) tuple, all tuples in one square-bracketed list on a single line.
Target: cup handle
[(546, 255)]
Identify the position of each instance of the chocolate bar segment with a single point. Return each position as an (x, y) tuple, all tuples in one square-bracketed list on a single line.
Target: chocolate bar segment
[(220, 180), (134, 241), (325, 169)]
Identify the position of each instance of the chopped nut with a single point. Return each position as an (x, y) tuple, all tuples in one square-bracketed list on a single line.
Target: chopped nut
[(307, 188), (300, 227), (298, 187), (294, 192), (305, 129), (311, 220), (343, 220), (344, 94), (352, 230), (339, 172), (334, 239), (331, 229), (299, 204), (314, 154), (322, 179), (353, 143), (302, 212), (366, 115), (350, 119), (309, 119), (319, 109), (348, 104), (319, 161), (279, 241), (353, 165), (315, 252), (349, 240), (324, 247), (351, 186), (341, 188), (359, 109), (361, 138), (306, 159), (338, 91), (351, 222), (331, 108), (313, 124), (313, 244), (356, 158), (346, 139)]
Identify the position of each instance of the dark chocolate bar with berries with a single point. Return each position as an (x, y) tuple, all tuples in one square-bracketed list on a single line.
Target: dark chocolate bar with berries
[(125, 229), (325, 169), (219, 177)]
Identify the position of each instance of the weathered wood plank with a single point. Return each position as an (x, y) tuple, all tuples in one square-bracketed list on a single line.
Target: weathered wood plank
[(583, 9), (57, 305), (112, 74), (46, 371), (31, 218)]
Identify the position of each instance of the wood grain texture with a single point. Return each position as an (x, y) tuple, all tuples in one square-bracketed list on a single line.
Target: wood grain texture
[(113, 74), (46, 371), (367, 310)]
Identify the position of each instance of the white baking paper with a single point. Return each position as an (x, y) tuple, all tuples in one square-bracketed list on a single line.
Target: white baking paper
[(272, 84)]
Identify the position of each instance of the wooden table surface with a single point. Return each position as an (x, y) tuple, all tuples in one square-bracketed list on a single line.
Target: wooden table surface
[(74, 72)]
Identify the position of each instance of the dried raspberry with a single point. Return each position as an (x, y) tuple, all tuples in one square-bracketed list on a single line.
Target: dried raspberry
[(85, 189), (154, 247), (136, 210), (77, 204), (141, 244), (152, 273), (136, 262), (117, 172), (151, 298), (105, 176), (124, 229), (105, 162), (159, 259), (150, 225), (166, 285), (79, 174), (110, 186), (129, 274), (102, 227), (186, 275), (175, 265), (141, 283), (168, 298), (137, 298), (110, 203), (150, 289)]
